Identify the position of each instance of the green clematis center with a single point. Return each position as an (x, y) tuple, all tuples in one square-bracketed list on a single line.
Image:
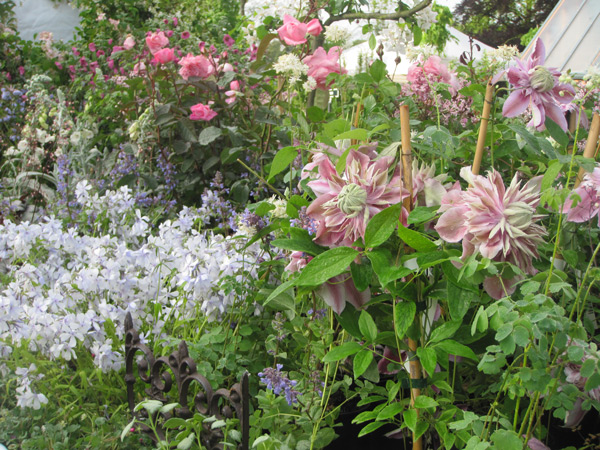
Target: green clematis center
[(542, 80), (351, 200)]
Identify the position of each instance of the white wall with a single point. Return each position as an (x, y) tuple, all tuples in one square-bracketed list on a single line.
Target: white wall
[(35, 16)]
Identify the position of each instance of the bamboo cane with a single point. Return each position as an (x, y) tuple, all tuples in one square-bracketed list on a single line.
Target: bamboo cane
[(590, 146), (414, 364), (359, 108), (485, 118)]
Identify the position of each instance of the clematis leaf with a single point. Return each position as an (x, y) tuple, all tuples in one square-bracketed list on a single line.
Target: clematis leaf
[(326, 265)]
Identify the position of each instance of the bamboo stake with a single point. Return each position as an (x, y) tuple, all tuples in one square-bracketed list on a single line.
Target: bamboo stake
[(485, 118), (359, 108), (414, 364), (590, 146)]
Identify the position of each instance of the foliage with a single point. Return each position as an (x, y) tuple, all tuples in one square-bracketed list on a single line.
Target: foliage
[(501, 23)]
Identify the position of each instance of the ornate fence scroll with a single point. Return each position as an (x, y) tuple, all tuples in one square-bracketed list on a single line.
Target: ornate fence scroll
[(174, 378)]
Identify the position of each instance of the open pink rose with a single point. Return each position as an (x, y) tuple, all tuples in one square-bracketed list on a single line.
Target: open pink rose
[(321, 64), (202, 112), (156, 41), (164, 56), (195, 66), (129, 43), (293, 32)]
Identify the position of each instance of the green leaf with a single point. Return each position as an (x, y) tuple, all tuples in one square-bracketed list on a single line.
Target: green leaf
[(263, 208), (592, 382), (280, 290), (126, 429), (404, 317), (187, 130), (315, 114), (370, 428), (298, 245), (557, 132), (459, 301), (588, 367), (454, 348), (378, 70), (282, 160), (422, 427), (422, 214), (362, 361), (552, 172), (444, 331), (507, 440), (186, 443), (209, 134), (335, 127), (326, 265), (367, 326), (423, 402), (342, 352), (372, 42), (428, 359), (361, 274), (383, 267), (390, 411), (415, 240), (382, 225), (410, 419), (359, 134)]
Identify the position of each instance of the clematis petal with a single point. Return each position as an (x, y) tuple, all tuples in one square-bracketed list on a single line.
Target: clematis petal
[(516, 103)]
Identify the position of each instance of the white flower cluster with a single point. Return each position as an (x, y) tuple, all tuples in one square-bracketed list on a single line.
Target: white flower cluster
[(64, 286), (337, 34), (395, 36), (289, 65), (592, 77), (259, 10), (413, 53), (502, 54), (26, 397)]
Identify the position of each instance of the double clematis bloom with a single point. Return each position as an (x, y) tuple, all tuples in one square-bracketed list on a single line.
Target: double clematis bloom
[(588, 205), (321, 64), (537, 88), (497, 222), (293, 32), (344, 204)]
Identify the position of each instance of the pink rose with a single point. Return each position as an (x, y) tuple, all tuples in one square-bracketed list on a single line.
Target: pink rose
[(175, 21), (156, 41), (228, 40), (185, 35), (139, 68), (195, 66), (129, 43), (92, 47), (164, 56), (202, 112), (292, 32), (234, 90), (320, 64), (314, 27)]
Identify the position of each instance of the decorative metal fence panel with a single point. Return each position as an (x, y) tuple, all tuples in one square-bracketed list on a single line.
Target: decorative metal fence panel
[(174, 378)]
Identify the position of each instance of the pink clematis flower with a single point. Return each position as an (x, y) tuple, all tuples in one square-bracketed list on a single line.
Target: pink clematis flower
[(321, 64), (156, 41), (344, 204), (497, 222), (537, 87), (588, 206), (195, 66), (293, 32), (339, 290), (202, 112)]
